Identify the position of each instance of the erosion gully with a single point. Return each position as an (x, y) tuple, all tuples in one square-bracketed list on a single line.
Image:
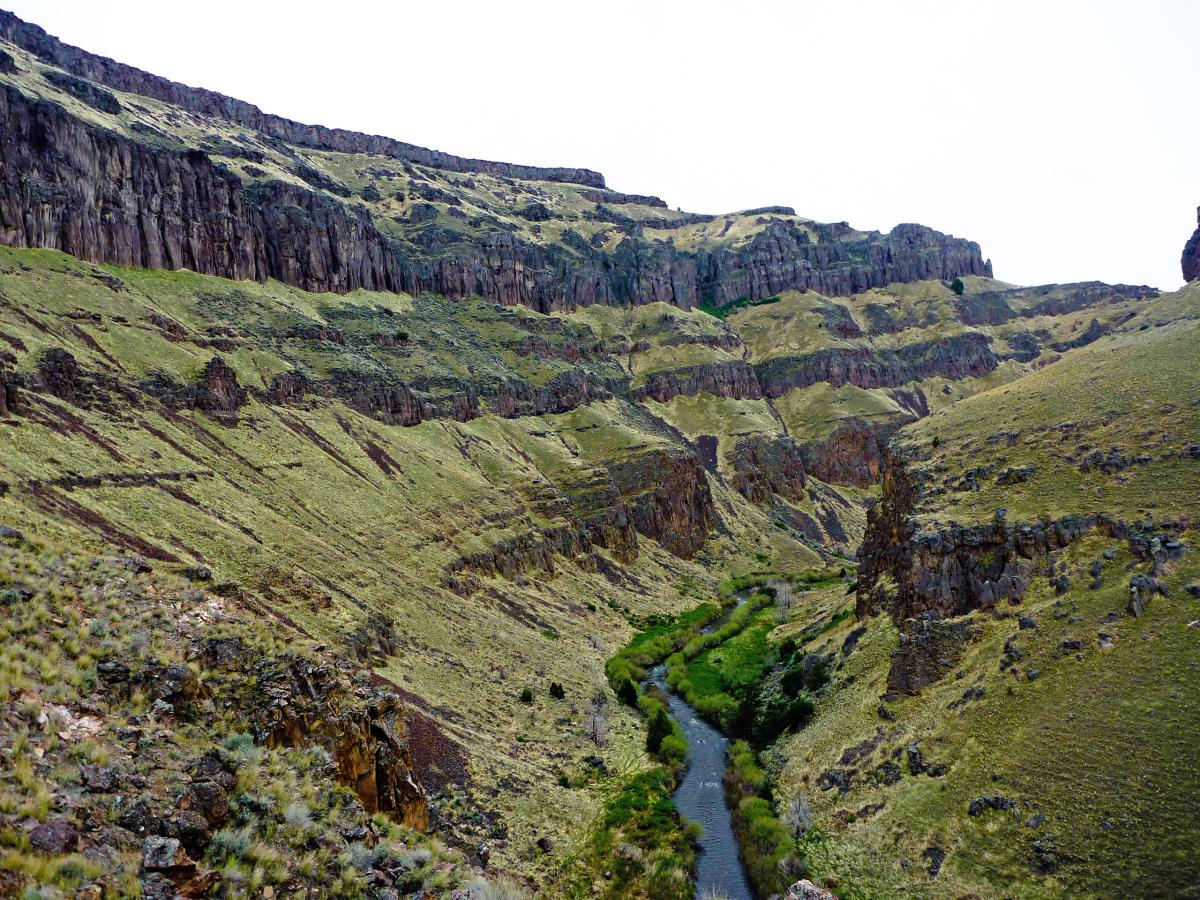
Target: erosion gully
[(700, 796)]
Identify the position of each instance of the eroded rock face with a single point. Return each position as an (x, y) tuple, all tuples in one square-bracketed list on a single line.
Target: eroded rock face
[(98, 195), (734, 380), (766, 465), (58, 374), (10, 393), (928, 650), (218, 392), (213, 105), (662, 495), (363, 730), (954, 569), (852, 454), (669, 499), (961, 356), (1191, 254)]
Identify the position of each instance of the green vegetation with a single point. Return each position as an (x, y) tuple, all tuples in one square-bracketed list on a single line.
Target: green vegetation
[(642, 815), (1090, 748), (723, 312), (769, 851), (276, 813)]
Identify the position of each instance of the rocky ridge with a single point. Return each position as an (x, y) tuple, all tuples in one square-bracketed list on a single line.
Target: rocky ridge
[(171, 204)]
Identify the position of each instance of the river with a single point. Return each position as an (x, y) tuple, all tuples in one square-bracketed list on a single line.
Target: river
[(700, 797)]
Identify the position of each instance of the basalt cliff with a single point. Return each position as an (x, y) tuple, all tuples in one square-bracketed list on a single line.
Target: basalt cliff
[(94, 168)]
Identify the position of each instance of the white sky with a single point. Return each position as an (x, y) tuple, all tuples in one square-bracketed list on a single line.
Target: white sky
[(1062, 136)]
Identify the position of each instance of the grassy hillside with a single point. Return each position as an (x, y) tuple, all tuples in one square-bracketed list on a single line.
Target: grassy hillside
[(446, 556), (1073, 708)]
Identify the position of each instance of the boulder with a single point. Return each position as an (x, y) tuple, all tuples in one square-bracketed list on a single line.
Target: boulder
[(54, 838), (166, 855), (806, 890)]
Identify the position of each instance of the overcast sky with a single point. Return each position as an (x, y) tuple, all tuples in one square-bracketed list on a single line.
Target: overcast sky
[(1062, 136)]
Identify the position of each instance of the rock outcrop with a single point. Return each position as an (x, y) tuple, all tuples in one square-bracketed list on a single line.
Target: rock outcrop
[(1191, 254), (852, 454), (961, 356), (953, 569), (734, 379), (766, 466), (928, 650), (301, 702), (218, 392)]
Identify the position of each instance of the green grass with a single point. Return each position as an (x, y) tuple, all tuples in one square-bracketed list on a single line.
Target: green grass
[(1094, 749)]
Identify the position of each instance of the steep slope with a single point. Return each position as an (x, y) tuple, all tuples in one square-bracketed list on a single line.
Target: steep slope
[(1012, 713), (114, 165), (491, 529)]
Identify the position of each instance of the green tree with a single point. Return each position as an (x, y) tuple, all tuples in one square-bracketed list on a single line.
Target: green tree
[(627, 693), (957, 286), (660, 727)]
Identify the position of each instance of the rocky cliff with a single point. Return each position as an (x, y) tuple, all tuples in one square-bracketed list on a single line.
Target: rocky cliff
[(1191, 255), (103, 70), (110, 187)]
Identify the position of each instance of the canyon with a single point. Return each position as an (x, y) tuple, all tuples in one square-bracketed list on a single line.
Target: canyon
[(338, 471)]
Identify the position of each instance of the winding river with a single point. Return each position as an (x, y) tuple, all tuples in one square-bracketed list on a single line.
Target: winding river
[(700, 797)]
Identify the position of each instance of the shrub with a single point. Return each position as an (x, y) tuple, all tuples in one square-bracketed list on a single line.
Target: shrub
[(526, 695), (799, 815), (768, 849), (556, 691), (673, 750), (957, 286), (227, 845), (298, 815), (238, 744)]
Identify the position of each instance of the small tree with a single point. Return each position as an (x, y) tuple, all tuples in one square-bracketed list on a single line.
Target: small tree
[(957, 286), (627, 693), (799, 815), (784, 598), (527, 695), (660, 728), (595, 721), (556, 691)]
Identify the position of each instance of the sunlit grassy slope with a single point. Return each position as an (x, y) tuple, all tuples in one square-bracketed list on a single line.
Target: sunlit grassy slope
[(331, 523), (1095, 746)]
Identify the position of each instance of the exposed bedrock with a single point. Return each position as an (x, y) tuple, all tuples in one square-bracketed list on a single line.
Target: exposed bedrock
[(995, 307), (961, 356), (955, 569), (852, 454), (362, 728), (734, 380), (929, 648), (662, 495), (73, 186), (218, 106), (767, 466), (1191, 254), (782, 256)]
